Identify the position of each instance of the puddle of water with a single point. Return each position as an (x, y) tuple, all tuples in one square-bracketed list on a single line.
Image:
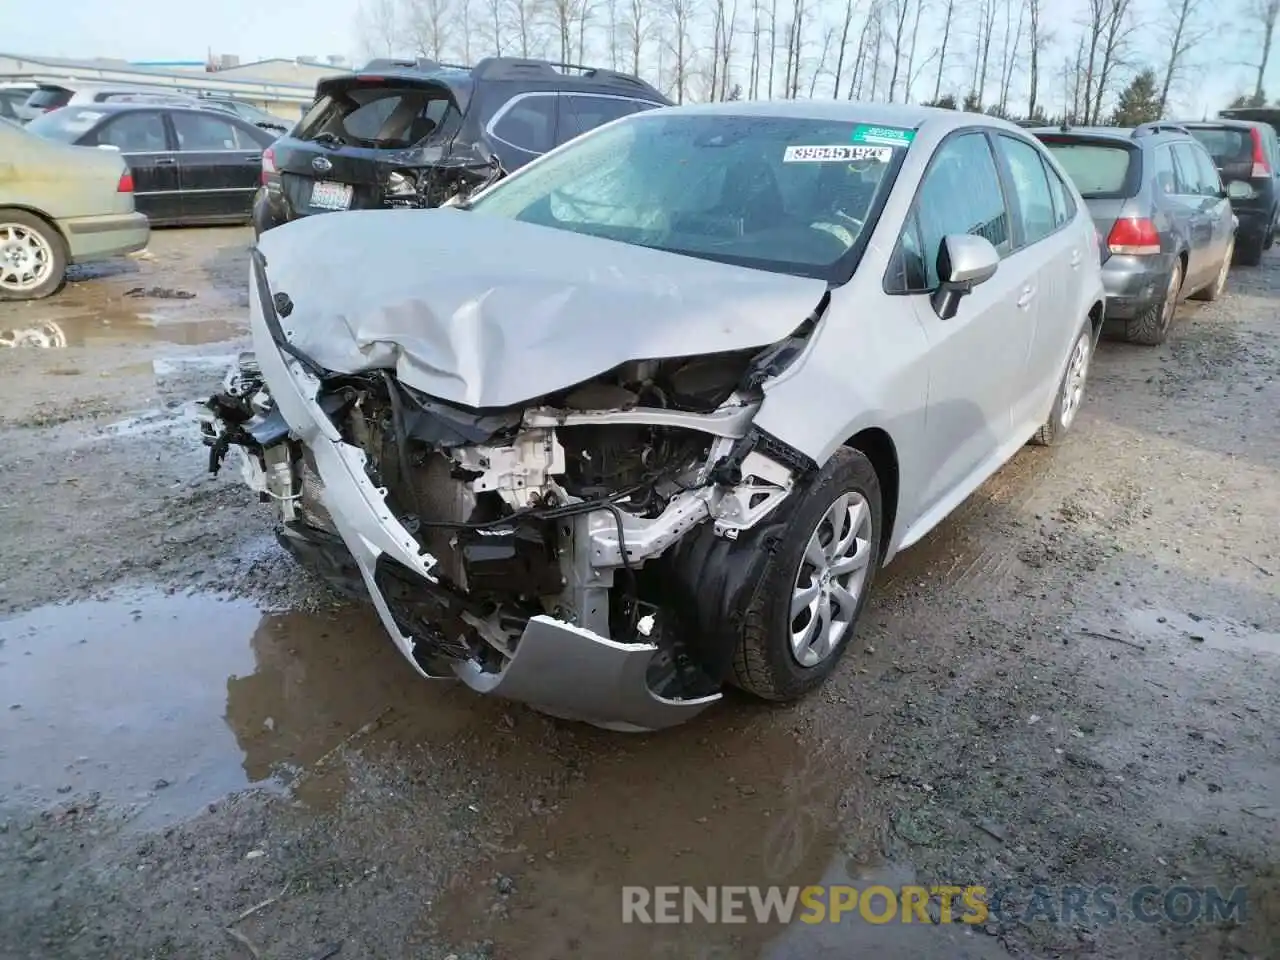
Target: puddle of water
[(751, 801), (208, 695), (59, 326), (1218, 633)]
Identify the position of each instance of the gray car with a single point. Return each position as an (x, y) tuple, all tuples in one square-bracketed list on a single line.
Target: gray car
[(647, 417), (1164, 222)]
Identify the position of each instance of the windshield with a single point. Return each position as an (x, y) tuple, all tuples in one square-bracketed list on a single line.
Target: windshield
[(67, 124), (790, 195), (387, 117), (1096, 169)]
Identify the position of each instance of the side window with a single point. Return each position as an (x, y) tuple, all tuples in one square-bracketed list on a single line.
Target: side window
[(1064, 208), (1189, 173), (1210, 182), (1030, 187), (907, 272), (582, 112), (135, 132), (960, 193), (1163, 172), (529, 124), (199, 131)]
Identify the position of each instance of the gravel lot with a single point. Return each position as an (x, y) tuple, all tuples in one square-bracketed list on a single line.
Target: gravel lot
[(1075, 680)]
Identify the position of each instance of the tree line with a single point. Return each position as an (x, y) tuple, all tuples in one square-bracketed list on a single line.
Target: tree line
[(1083, 62)]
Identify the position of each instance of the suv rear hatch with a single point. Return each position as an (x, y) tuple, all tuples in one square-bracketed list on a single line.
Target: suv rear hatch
[(1106, 170), (1235, 150), (360, 130)]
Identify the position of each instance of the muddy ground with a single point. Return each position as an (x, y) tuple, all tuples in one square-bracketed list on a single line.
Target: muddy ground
[(1075, 680)]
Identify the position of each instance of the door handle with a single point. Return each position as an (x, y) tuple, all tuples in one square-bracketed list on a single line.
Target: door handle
[(1028, 293), (256, 158), (166, 161), (1075, 259)]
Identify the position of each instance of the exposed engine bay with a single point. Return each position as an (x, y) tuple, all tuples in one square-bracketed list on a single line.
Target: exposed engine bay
[(574, 550)]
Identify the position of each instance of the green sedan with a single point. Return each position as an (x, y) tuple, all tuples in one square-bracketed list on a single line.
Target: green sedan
[(60, 205)]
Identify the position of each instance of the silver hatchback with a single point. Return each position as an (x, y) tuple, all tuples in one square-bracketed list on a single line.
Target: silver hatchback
[(648, 416)]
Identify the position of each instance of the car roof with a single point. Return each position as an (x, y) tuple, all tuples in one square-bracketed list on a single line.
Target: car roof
[(905, 116), (502, 69), (129, 107), (1230, 123), (1162, 132)]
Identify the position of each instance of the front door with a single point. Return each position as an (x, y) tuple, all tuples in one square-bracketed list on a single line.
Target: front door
[(976, 356), (142, 137), (219, 166)]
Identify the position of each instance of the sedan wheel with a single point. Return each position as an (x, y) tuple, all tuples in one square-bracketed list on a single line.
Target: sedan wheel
[(32, 261), (1070, 394), (833, 571), (811, 577), (1219, 285)]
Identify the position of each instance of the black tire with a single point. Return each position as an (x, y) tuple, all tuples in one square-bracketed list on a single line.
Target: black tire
[(1215, 290), (52, 240), (1054, 430), (1249, 252), (1269, 240), (1151, 327), (763, 663)]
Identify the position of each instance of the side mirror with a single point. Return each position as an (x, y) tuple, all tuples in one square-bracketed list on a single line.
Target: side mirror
[(964, 261)]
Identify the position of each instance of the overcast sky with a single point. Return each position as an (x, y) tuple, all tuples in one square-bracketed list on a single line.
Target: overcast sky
[(257, 29)]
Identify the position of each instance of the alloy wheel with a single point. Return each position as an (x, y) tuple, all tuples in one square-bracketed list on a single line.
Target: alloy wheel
[(1073, 382), (26, 258), (831, 579)]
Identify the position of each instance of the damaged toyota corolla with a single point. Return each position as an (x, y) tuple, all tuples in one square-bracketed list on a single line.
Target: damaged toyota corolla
[(646, 418)]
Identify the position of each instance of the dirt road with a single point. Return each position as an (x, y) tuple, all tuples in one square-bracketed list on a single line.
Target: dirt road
[(1075, 681)]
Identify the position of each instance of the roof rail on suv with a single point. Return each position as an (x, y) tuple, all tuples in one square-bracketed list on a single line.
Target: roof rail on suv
[(1158, 126), (519, 68), (420, 63)]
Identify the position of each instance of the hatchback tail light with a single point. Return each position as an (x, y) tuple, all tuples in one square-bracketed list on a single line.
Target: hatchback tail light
[(1134, 237), (268, 162), (126, 182), (1261, 168)]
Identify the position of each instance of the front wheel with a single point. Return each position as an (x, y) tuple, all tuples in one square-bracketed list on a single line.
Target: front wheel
[(1070, 394), (805, 607)]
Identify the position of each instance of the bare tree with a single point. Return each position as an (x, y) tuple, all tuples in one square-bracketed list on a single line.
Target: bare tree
[(795, 35), (753, 78), (875, 44), (898, 10), (718, 15), (1037, 40), (828, 38), (1182, 29), (584, 10), (911, 52), (611, 13), (1116, 29), (680, 17), (860, 59), (844, 46), (491, 25), (428, 24), (942, 49), (728, 33), (638, 27), (379, 27), (463, 13), (773, 42), (524, 16), (982, 58), (1009, 56), (1263, 14)]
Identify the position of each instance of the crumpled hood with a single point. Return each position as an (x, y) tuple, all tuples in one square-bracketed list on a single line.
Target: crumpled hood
[(486, 312)]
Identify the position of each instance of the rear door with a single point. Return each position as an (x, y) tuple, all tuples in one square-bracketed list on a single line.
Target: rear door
[(1194, 192), (219, 165), (146, 142), (1215, 207), (1053, 254)]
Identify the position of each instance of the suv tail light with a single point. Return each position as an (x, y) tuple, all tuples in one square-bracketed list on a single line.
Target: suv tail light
[(268, 162), (1260, 166), (126, 182), (1134, 236)]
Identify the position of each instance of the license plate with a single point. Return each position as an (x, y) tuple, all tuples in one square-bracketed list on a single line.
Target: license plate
[(330, 196)]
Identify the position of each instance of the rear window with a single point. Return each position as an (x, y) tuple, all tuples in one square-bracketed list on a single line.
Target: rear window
[(67, 124), (1098, 170), (48, 98), (379, 116), (1225, 144)]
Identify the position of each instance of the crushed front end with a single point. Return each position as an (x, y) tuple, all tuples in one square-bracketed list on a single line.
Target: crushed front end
[(530, 551)]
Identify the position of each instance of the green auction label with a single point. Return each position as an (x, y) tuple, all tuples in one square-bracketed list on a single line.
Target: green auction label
[(886, 136)]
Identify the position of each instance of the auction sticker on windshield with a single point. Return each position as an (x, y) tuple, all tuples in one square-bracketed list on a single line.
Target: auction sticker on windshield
[(837, 153), (888, 136)]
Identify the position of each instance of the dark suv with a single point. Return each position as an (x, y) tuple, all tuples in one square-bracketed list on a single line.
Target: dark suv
[(1247, 155), (403, 133), (1164, 224)]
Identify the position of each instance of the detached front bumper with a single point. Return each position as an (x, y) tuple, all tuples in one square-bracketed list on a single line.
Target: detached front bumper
[(556, 667)]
